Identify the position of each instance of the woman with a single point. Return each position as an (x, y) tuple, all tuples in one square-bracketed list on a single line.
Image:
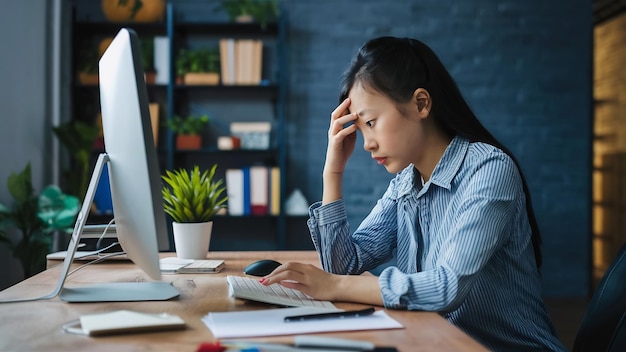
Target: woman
[(458, 212)]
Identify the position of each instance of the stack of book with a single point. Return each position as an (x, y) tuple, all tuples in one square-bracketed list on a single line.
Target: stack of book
[(241, 61), (253, 190)]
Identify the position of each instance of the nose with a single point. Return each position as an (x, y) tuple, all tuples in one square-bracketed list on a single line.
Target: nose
[(369, 144)]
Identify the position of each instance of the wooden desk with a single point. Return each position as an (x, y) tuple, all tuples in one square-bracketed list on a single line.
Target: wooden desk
[(36, 326)]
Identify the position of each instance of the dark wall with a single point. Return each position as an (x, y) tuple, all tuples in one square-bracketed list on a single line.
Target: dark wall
[(524, 67)]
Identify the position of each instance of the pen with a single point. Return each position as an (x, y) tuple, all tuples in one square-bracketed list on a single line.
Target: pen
[(333, 315)]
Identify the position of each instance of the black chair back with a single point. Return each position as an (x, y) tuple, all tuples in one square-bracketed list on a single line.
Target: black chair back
[(605, 310)]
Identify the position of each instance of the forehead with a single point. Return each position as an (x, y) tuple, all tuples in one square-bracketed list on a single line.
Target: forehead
[(364, 97)]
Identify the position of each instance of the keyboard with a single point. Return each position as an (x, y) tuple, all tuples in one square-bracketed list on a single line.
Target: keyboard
[(252, 289)]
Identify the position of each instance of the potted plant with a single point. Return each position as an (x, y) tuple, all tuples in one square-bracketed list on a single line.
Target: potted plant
[(192, 199), (147, 59), (88, 66), (198, 67), (35, 218), (261, 11), (188, 130)]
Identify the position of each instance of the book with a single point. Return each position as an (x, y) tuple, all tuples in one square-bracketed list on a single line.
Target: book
[(246, 191), (227, 60), (162, 59), (175, 265), (258, 190), (274, 190)]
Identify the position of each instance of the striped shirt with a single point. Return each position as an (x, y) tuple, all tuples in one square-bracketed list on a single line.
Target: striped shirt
[(463, 247)]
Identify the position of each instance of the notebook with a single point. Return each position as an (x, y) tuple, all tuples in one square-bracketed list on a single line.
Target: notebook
[(174, 265), (124, 321)]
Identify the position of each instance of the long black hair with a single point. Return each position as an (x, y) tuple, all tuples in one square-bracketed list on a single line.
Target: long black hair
[(396, 67)]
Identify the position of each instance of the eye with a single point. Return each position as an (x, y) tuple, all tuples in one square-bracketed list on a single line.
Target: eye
[(370, 123)]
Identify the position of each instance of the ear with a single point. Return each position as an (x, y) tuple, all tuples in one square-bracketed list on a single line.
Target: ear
[(422, 100)]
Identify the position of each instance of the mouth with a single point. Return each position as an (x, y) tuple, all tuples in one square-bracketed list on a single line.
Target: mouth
[(380, 161)]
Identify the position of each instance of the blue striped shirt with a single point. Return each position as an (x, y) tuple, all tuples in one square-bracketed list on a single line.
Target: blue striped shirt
[(463, 247)]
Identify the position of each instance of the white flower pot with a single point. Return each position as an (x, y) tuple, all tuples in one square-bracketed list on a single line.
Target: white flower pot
[(192, 239)]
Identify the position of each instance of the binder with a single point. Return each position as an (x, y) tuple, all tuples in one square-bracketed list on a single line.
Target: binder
[(258, 190), (235, 192)]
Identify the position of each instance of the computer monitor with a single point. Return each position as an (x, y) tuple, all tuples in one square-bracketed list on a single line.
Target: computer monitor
[(134, 180), (134, 175)]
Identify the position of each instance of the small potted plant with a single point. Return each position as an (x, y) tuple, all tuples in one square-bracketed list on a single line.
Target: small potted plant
[(192, 199), (261, 11), (88, 66), (147, 59), (188, 131), (199, 67)]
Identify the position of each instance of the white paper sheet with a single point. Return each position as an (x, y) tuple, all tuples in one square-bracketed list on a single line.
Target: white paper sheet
[(270, 322)]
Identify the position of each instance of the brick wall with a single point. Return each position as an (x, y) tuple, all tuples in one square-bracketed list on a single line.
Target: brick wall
[(525, 68)]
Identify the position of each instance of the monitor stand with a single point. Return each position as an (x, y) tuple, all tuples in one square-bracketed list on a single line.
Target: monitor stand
[(104, 292)]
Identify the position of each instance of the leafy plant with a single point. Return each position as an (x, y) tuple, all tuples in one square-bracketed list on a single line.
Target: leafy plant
[(88, 61), (201, 60), (262, 11), (191, 196), (190, 125), (35, 217), (147, 53), (78, 137)]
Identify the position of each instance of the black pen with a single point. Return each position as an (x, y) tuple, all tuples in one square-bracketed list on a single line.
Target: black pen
[(333, 315)]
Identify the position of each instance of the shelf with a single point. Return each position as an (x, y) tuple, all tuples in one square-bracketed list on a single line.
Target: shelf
[(110, 28), (226, 29), (228, 103)]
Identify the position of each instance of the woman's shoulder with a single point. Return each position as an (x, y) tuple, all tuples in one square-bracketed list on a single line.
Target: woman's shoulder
[(490, 163), (479, 152)]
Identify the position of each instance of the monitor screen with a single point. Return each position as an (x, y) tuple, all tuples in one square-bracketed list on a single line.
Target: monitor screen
[(134, 175)]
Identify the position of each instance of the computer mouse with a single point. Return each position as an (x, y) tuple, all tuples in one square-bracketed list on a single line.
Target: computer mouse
[(261, 267)]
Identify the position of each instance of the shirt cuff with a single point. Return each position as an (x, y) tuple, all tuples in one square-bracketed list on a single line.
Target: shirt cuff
[(328, 213)]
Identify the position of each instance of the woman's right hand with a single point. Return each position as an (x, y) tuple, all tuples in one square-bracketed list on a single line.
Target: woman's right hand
[(341, 140)]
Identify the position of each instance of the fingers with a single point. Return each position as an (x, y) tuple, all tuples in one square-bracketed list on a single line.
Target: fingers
[(340, 110), (287, 272)]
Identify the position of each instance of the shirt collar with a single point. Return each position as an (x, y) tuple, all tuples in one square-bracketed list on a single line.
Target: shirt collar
[(450, 163), (444, 172)]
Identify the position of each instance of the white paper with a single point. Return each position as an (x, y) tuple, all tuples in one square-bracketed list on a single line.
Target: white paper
[(270, 322)]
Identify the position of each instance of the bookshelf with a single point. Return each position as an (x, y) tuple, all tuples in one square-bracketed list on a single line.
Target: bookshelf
[(259, 100)]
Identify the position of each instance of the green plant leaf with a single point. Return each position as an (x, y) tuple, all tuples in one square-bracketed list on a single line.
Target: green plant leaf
[(192, 196), (20, 185)]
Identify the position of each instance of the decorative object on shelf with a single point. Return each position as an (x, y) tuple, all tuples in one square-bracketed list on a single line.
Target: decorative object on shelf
[(79, 138), (35, 217), (254, 135), (242, 11), (188, 130), (198, 67), (296, 204), (192, 199), (228, 142), (134, 10)]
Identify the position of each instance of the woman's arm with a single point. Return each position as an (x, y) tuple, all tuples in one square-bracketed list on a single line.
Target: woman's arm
[(341, 142), (322, 285)]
